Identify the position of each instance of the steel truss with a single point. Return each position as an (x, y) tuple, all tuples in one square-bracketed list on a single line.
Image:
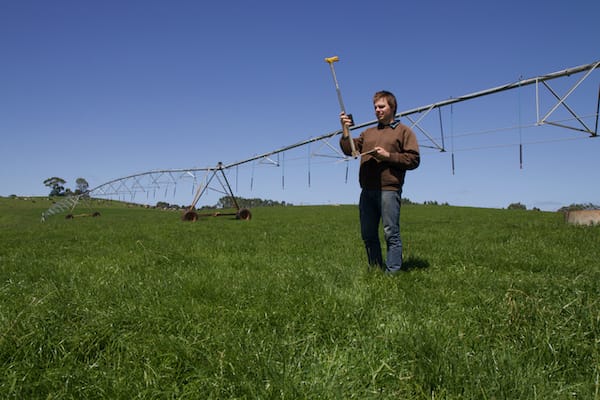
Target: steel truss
[(147, 183), (538, 81)]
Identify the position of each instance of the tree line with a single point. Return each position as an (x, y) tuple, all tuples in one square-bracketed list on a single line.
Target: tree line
[(57, 186), (228, 202)]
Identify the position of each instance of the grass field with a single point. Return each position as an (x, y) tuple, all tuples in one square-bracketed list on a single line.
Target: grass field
[(497, 304)]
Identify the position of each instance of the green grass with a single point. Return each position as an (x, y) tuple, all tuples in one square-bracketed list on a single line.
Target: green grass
[(497, 304)]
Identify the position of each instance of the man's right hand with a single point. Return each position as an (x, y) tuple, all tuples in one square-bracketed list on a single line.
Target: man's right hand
[(346, 120)]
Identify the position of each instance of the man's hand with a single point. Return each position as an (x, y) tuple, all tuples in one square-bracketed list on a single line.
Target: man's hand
[(380, 154), (346, 122)]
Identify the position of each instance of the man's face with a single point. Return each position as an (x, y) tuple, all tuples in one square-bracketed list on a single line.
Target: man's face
[(383, 112)]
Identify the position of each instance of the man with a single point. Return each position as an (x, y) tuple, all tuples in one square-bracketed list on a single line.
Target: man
[(387, 152)]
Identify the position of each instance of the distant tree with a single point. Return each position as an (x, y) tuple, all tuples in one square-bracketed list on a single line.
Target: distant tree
[(162, 204), (81, 186), (57, 186), (576, 207), (227, 202), (517, 206)]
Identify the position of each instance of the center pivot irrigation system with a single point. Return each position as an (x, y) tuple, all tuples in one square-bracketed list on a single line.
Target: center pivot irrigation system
[(215, 178)]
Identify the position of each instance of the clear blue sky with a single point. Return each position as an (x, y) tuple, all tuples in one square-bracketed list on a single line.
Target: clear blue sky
[(105, 89)]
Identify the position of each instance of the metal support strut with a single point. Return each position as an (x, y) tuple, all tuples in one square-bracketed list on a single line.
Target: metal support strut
[(219, 172)]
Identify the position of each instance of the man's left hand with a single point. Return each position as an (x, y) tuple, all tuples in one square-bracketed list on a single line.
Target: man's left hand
[(381, 154)]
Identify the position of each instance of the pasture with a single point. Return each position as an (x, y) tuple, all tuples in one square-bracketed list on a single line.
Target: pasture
[(136, 304)]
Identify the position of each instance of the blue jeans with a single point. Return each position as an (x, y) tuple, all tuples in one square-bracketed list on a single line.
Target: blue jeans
[(384, 205)]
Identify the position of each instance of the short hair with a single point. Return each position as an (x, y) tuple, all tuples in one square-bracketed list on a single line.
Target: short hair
[(389, 97)]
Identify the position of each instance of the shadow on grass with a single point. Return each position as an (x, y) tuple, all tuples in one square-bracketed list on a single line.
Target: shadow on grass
[(412, 263)]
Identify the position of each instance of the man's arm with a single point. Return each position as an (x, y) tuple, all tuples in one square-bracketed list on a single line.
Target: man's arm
[(409, 158)]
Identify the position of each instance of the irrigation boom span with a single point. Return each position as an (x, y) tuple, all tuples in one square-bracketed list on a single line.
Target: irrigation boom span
[(120, 185), (540, 79)]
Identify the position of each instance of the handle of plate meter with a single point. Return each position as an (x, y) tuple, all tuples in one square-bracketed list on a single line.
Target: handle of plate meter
[(345, 129)]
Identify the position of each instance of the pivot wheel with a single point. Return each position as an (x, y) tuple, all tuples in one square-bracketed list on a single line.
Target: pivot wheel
[(244, 214), (191, 216)]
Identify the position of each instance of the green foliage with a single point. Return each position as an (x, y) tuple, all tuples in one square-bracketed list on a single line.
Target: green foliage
[(137, 304), (57, 186), (228, 202), (516, 206), (576, 207), (82, 186), (166, 206)]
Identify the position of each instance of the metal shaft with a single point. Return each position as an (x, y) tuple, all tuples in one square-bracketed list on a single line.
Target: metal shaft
[(337, 88), (330, 61)]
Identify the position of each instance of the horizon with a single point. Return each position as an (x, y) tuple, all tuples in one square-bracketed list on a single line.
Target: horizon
[(405, 201)]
